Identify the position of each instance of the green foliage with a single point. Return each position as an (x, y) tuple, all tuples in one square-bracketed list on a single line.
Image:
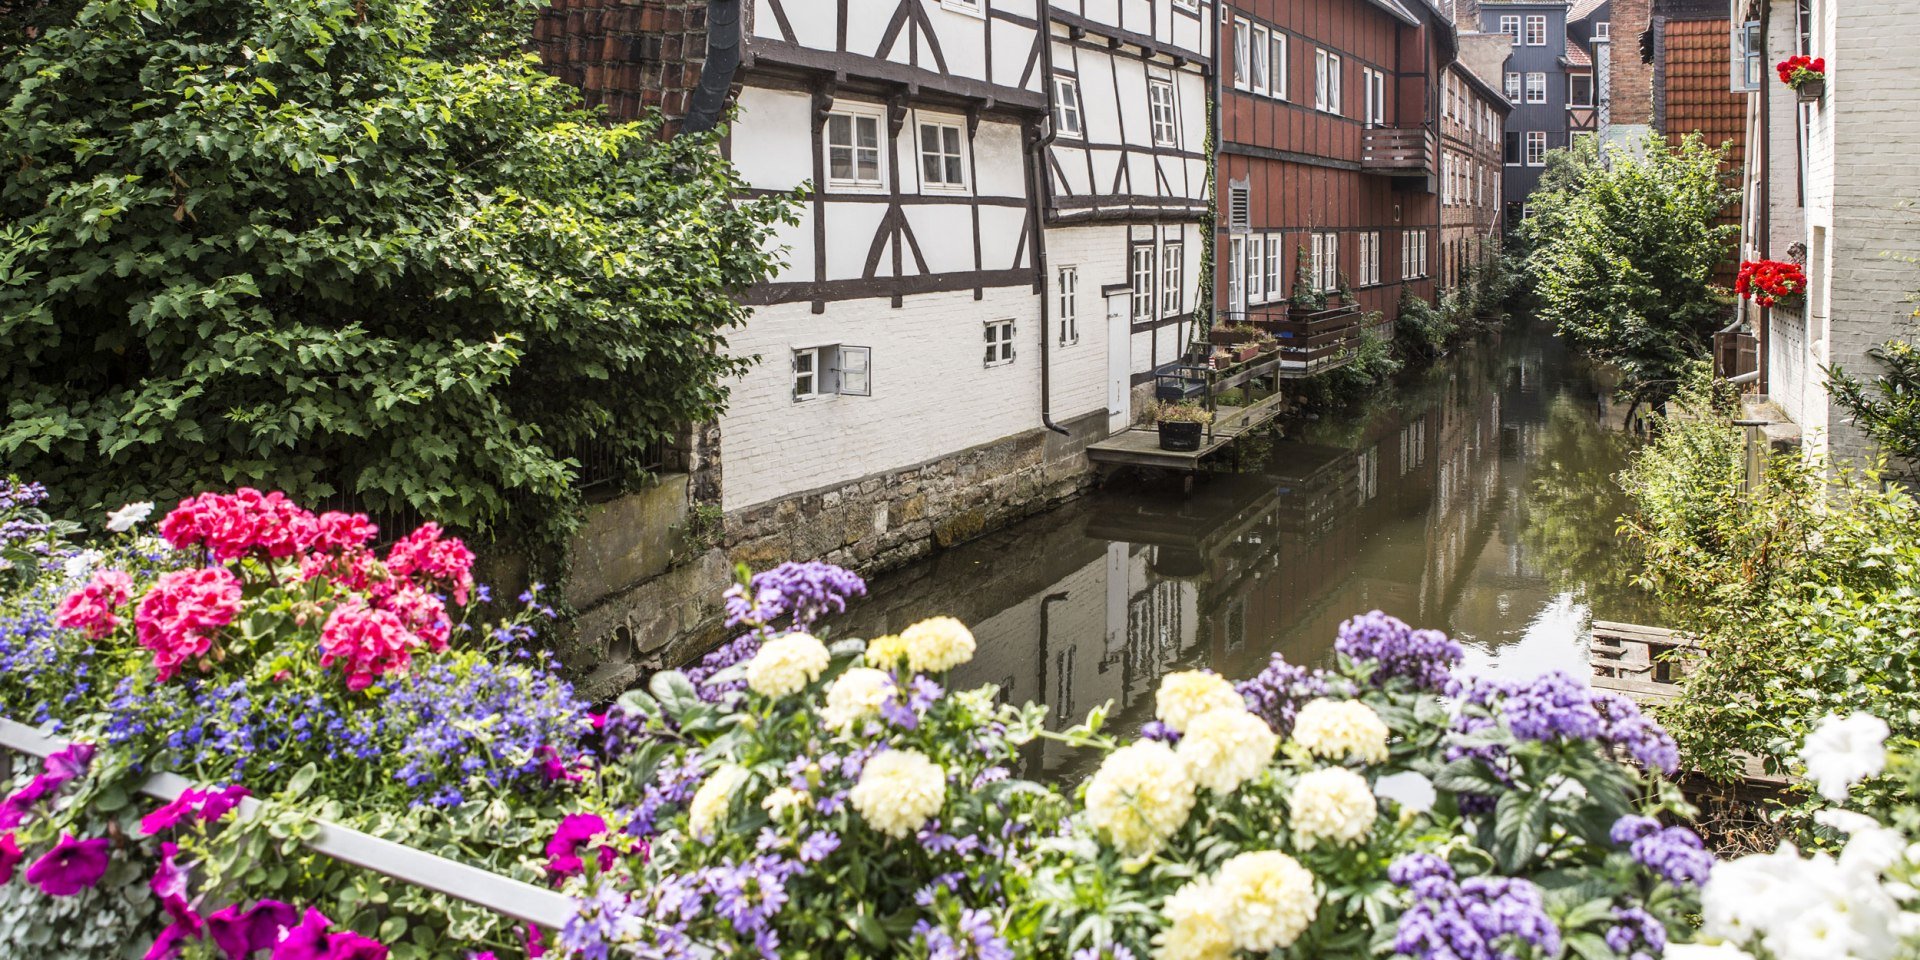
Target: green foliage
[(1373, 364), (1804, 590), (1306, 292), (1422, 330), (282, 244), (1625, 245), (1887, 406)]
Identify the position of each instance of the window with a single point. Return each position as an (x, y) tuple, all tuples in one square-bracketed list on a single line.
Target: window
[(1413, 254), (854, 158), (1537, 31), (1142, 282), (1277, 65), (1602, 30), (1536, 148), (942, 165), (1326, 81), (1579, 89), (1376, 84), (1536, 88), (1172, 268), (1066, 107), (1526, 211), (1166, 123), (1257, 59), (1369, 259), (1513, 148), (1242, 39), (1513, 87), (1326, 261), (1511, 27), (1236, 278), (964, 6), (836, 369), (999, 342), (1274, 246), (1067, 286), (1252, 269)]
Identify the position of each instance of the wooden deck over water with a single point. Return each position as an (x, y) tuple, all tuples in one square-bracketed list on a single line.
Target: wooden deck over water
[(1140, 446)]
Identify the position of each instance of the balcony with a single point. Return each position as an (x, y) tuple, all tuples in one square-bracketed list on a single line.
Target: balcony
[(1398, 151), (1311, 342)]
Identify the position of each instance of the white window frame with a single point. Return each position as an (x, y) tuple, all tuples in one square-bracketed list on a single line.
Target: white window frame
[(1528, 153), (806, 383), (1189, 5), (855, 114), (1537, 20), (1376, 105), (1514, 92), (1279, 60), (1536, 88), (1259, 48), (1242, 35), (971, 8), (1413, 254), (1326, 81), (944, 125), (998, 336), (1163, 112), (1236, 279), (1066, 286), (1602, 30), (1067, 106), (1510, 25), (1143, 264), (1252, 267), (1273, 277), (1326, 262), (835, 369), (1370, 259), (1571, 101), (1173, 273)]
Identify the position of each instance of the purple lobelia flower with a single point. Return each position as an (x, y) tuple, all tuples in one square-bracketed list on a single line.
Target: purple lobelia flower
[(240, 934), (818, 846), (1479, 919), (71, 866), (1424, 658), (1274, 695), (1675, 853)]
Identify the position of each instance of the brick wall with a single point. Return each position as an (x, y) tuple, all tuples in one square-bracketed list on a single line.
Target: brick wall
[(626, 55), (1632, 76)]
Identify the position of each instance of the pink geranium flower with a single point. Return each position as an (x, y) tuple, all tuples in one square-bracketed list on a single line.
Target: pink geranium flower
[(71, 866), (179, 616), (366, 642), (423, 613), (241, 933), (230, 526), (423, 553), (336, 532), (92, 607)]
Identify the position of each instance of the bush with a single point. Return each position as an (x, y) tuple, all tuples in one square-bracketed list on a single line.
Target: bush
[(1373, 363), (316, 245), (1422, 330)]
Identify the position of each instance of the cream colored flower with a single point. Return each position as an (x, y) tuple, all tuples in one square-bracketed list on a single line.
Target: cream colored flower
[(1341, 730), (1332, 804), (899, 790), (1198, 929), (937, 645), (711, 802), (886, 651), (781, 799), (856, 695), (1225, 748), (1185, 696), (1139, 797), (786, 664), (1268, 899)]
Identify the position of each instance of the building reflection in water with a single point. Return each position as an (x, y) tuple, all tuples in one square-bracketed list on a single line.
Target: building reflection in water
[(1419, 507)]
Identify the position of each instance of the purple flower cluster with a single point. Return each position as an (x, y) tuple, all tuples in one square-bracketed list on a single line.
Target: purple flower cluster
[(36, 657), (1636, 934), (803, 591), (1425, 658), (748, 896), (533, 732), (673, 786), (15, 495), (1555, 706), (1482, 918), (908, 705), (1275, 695), (1675, 853), (974, 939), (214, 726)]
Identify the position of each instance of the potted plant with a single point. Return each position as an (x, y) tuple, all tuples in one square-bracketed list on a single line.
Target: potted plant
[(1806, 75), (1771, 283), (1307, 298), (1181, 425), (1268, 344), (1232, 334)]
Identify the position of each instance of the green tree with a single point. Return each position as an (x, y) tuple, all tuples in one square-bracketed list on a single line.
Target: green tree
[(1625, 245), (347, 246)]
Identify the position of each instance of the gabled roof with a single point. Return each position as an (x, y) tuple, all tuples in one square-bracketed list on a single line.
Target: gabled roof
[(1398, 10), (1583, 9), (1577, 55)]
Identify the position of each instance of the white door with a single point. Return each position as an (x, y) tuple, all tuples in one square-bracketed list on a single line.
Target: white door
[(1119, 362)]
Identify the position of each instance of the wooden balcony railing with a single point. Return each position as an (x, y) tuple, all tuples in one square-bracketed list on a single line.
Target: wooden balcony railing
[(1310, 343), (1399, 151)]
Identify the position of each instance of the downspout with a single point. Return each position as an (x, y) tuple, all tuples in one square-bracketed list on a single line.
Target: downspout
[(1041, 189), (709, 101), (1766, 191)]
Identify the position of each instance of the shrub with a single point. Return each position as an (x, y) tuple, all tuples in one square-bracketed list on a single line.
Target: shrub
[(1422, 330)]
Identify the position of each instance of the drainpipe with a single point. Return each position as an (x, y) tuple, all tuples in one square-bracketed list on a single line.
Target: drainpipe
[(1766, 191), (1041, 189), (716, 75)]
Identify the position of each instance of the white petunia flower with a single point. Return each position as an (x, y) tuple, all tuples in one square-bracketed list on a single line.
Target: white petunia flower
[(80, 565), (129, 516), (1701, 951), (1413, 791), (1842, 752)]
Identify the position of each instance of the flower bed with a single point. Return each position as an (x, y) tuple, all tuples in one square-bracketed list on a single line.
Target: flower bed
[(794, 794), (1771, 282)]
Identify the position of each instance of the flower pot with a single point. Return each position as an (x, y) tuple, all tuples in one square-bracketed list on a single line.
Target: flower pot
[(1247, 351), (1812, 91), (1228, 338), (1180, 436)]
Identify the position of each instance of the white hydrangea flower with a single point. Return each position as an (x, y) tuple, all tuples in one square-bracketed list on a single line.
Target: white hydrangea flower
[(855, 696), (1225, 748), (129, 516), (1270, 899), (1185, 696), (1342, 730), (1139, 797), (1198, 925), (1842, 752), (710, 803), (899, 791), (937, 645), (1332, 804), (785, 665)]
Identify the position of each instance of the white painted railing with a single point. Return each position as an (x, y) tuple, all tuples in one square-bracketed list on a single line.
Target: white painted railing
[(482, 888)]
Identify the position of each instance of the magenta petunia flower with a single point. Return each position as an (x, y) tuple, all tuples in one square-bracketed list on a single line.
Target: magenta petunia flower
[(14, 809), (71, 866), (352, 946), (70, 763), (575, 832), (241, 933), (10, 856), (169, 884), (206, 805), (166, 946), (307, 941)]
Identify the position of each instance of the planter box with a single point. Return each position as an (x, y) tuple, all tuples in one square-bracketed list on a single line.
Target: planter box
[(1812, 91), (1229, 338), (1180, 436), (1247, 351)]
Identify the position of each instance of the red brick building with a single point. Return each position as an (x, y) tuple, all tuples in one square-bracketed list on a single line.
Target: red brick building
[(1329, 151)]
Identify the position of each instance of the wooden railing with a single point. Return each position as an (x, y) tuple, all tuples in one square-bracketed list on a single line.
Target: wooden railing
[(1399, 151), (1310, 343)]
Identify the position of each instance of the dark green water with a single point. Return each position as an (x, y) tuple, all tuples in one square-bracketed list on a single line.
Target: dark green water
[(1475, 497)]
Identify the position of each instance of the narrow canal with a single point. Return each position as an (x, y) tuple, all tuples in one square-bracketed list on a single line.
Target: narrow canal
[(1475, 497)]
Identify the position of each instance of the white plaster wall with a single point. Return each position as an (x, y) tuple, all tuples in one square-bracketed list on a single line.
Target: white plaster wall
[(1099, 255)]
